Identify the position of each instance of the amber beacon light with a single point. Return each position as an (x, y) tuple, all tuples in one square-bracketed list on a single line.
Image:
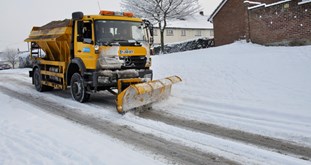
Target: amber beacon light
[(112, 13)]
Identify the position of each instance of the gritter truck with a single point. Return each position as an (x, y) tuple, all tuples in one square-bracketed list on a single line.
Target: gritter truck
[(89, 53)]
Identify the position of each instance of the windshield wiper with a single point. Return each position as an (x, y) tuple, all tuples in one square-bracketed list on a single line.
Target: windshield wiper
[(112, 42), (118, 42)]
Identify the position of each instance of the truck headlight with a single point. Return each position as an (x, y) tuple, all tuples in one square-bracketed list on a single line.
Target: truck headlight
[(111, 62), (96, 48), (109, 58)]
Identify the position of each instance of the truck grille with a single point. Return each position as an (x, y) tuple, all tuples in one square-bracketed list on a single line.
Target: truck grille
[(134, 61)]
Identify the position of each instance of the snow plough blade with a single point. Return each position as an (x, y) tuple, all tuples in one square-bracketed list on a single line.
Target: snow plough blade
[(141, 94)]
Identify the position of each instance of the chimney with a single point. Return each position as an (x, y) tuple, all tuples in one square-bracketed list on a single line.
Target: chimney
[(202, 13)]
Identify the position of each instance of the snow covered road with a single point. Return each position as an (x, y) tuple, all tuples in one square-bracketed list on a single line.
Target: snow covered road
[(239, 103), (162, 149), (31, 136)]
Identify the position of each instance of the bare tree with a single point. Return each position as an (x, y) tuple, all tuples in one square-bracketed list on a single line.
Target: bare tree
[(11, 55), (159, 11)]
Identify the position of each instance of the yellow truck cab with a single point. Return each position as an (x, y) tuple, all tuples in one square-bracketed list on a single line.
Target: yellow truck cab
[(90, 53)]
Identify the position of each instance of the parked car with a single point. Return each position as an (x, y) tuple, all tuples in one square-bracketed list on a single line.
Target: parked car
[(5, 66)]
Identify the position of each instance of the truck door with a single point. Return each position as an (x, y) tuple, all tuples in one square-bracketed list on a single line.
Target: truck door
[(84, 47)]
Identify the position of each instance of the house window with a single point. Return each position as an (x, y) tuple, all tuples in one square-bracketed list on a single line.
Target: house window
[(198, 33), (183, 32), (155, 32), (169, 32)]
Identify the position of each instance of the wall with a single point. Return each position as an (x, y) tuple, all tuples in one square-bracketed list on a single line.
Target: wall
[(283, 24), (177, 37), (229, 23)]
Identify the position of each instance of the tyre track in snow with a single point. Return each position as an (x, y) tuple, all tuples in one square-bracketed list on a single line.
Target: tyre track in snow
[(273, 144), (173, 152)]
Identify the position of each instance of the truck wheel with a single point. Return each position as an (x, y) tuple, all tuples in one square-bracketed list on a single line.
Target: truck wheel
[(37, 77), (78, 91), (37, 80)]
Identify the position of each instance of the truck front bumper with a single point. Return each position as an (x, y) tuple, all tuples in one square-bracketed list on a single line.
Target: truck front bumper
[(109, 78)]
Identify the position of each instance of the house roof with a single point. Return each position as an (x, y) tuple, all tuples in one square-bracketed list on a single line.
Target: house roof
[(222, 3), (190, 22)]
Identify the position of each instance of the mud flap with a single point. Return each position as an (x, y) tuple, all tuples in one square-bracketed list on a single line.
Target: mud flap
[(141, 94)]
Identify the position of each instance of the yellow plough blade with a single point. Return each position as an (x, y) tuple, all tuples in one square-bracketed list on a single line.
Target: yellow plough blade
[(141, 94)]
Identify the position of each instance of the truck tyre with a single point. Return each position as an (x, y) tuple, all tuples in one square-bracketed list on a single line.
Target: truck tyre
[(37, 78), (78, 90)]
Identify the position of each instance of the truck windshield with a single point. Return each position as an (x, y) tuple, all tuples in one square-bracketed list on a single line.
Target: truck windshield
[(108, 31)]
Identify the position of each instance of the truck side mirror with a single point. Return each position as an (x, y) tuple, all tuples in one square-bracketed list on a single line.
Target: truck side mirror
[(151, 33), (77, 15), (149, 26)]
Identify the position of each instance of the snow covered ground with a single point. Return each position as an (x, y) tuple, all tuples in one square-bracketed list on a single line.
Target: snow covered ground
[(264, 90), (256, 89)]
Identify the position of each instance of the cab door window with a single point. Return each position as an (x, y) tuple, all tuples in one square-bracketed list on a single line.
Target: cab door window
[(85, 32)]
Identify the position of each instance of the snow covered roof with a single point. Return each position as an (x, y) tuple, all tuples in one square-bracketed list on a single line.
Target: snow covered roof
[(191, 22), (254, 3), (268, 5)]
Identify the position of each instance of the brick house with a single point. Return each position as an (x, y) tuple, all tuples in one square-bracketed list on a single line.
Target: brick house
[(267, 22)]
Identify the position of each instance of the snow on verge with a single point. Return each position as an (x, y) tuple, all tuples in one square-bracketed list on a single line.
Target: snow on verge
[(258, 89)]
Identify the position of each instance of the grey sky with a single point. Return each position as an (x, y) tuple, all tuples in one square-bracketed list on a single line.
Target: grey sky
[(19, 16)]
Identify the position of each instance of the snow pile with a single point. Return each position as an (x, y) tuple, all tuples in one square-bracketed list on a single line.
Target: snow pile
[(264, 90)]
